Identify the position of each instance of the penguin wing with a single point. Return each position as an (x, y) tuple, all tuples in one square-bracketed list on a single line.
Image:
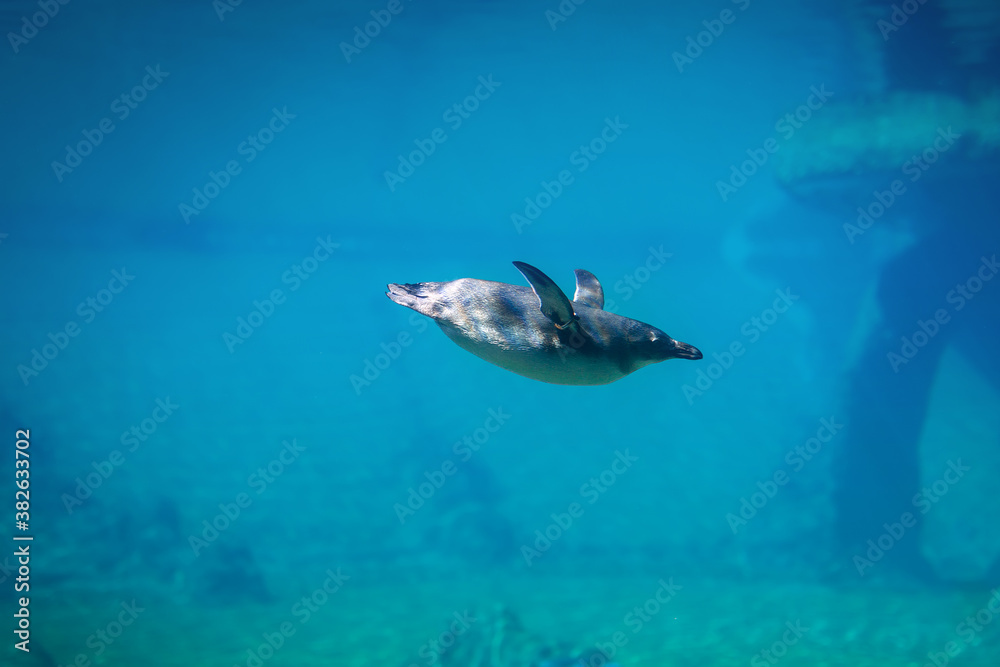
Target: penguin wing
[(553, 302), (588, 290)]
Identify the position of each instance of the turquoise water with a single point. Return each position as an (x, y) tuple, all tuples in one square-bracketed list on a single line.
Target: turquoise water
[(240, 452)]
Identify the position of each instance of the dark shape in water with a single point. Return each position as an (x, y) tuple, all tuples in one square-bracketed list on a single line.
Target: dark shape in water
[(498, 639), (236, 577)]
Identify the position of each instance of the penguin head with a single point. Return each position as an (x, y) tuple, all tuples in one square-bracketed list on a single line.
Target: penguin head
[(655, 345)]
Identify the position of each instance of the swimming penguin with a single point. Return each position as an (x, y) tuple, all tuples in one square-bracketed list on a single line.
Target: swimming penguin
[(538, 332)]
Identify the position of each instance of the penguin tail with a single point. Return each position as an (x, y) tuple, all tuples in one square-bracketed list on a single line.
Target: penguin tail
[(417, 296), (406, 294)]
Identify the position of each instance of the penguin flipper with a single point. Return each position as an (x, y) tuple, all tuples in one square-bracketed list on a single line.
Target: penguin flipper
[(588, 290), (553, 302)]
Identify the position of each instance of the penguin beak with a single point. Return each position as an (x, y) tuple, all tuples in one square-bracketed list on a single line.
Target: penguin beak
[(685, 351)]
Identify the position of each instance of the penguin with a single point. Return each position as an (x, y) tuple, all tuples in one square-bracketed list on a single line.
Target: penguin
[(538, 332)]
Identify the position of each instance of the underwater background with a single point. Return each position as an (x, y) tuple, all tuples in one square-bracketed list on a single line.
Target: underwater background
[(242, 453)]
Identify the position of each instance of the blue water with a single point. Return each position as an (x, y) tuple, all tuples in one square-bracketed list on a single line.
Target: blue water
[(240, 452)]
